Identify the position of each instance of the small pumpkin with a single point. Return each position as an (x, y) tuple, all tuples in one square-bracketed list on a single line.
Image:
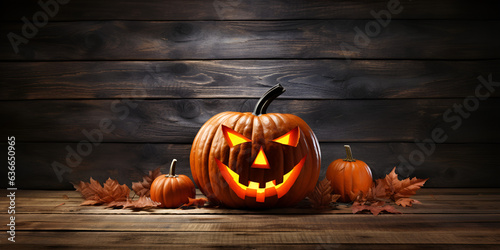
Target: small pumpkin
[(172, 190), (349, 177), (256, 160)]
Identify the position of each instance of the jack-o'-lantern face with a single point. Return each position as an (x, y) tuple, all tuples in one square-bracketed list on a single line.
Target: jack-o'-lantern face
[(271, 188), (255, 160)]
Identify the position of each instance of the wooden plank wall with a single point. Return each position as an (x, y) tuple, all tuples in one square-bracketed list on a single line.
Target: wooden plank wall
[(155, 71)]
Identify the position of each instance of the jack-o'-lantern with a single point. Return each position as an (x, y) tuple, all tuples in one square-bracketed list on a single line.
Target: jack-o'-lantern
[(256, 160)]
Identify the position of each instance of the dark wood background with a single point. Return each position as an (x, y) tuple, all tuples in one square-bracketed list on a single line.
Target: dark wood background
[(157, 70)]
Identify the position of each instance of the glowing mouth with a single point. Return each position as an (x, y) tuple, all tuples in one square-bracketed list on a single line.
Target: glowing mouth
[(253, 190)]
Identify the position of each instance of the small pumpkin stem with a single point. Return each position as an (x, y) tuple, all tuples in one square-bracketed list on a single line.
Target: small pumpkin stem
[(349, 154), (172, 168), (267, 98)]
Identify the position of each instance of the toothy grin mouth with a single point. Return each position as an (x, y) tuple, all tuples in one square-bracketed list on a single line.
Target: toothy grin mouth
[(253, 190)]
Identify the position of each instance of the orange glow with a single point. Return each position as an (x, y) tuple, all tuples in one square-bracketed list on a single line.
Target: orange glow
[(233, 138), (261, 160), (253, 190), (291, 138)]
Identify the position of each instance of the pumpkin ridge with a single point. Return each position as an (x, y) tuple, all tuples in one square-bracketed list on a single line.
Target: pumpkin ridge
[(293, 159), (305, 175), (208, 150), (243, 170), (217, 148), (240, 162), (277, 167)]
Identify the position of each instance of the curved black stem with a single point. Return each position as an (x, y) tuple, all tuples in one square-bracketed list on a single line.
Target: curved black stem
[(267, 98)]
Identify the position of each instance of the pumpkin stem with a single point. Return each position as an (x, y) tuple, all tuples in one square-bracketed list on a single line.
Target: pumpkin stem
[(267, 98), (172, 168), (349, 154)]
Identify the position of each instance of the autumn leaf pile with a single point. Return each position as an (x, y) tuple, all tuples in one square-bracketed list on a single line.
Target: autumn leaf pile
[(95, 194), (382, 192), (111, 194), (398, 191), (142, 188), (114, 195)]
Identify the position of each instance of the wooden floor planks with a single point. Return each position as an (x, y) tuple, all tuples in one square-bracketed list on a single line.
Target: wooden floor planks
[(447, 218), (255, 239)]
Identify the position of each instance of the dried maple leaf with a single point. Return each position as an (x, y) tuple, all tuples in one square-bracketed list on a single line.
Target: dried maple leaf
[(116, 204), (321, 197), (380, 189), (396, 189), (143, 203), (199, 202), (113, 191), (407, 202), (90, 192), (335, 197), (95, 194), (142, 188), (374, 207)]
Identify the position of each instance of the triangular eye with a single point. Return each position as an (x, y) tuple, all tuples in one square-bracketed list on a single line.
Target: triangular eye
[(291, 138), (233, 138)]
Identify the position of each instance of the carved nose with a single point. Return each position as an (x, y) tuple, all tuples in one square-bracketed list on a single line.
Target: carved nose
[(261, 160)]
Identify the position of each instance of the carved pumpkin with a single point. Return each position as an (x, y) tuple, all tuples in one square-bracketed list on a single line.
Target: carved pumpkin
[(254, 160), (349, 177), (172, 190)]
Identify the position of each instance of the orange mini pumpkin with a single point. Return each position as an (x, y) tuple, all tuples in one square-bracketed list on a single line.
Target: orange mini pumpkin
[(172, 190), (256, 160), (349, 176)]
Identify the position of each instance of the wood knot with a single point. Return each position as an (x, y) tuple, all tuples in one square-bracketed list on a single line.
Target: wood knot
[(188, 109), (184, 29), (182, 32), (179, 68)]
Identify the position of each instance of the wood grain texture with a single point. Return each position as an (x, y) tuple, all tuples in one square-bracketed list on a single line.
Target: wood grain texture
[(190, 60), (61, 207), (146, 40), (178, 120), (451, 204), (303, 79), (447, 218), (425, 193), (256, 222), (450, 165), (254, 239), (245, 10)]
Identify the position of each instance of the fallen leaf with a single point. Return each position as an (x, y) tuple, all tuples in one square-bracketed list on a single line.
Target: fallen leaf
[(396, 189), (116, 204), (95, 194), (143, 187), (321, 197), (408, 187), (335, 197), (60, 204), (143, 203), (199, 202), (407, 202), (113, 191), (90, 192), (65, 197), (374, 208), (380, 189)]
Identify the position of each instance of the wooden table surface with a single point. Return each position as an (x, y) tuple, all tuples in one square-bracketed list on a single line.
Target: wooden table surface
[(447, 218)]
